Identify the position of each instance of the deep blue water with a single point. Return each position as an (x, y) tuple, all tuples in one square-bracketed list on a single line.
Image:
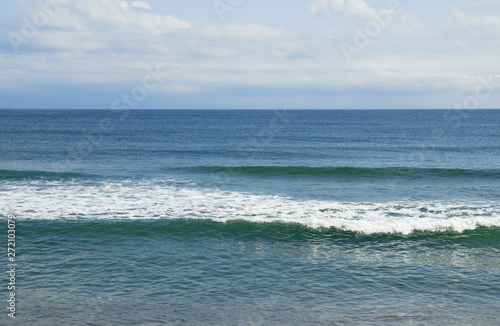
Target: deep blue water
[(253, 217)]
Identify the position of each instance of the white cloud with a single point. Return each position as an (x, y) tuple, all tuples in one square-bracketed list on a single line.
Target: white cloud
[(487, 22), (355, 8), (109, 25), (141, 4), (120, 15), (247, 32), (218, 52)]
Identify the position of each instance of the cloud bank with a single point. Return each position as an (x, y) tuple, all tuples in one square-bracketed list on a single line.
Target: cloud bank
[(88, 52)]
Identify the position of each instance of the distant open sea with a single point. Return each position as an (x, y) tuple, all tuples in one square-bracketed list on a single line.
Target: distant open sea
[(201, 217)]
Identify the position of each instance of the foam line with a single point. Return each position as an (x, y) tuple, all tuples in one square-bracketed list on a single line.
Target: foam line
[(47, 200)]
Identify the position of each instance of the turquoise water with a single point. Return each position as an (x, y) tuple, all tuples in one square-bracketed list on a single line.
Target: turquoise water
[(253, 217)]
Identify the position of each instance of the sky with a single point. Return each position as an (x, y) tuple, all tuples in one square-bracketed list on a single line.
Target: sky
[(250, 54)]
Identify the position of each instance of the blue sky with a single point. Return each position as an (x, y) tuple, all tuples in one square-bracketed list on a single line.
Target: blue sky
[(250, 54)]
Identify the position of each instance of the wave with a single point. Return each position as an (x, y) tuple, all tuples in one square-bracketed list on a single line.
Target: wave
[(240, 230), (31, 174), (281, 171), (388, 172), (139, 200)]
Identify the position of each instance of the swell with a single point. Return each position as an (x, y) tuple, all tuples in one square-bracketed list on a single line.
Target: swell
[(32, 174), (348, 172), (286, 171), (184, 230)]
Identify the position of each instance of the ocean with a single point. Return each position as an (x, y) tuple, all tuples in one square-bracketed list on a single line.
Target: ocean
[(255, 217)]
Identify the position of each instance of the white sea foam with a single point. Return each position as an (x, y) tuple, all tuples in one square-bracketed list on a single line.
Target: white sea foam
[(168, 200)]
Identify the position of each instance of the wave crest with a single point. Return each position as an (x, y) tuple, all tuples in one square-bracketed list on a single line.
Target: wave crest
[(166, 200)]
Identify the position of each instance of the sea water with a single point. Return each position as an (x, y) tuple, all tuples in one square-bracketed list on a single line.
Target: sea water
[(200, 217)]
